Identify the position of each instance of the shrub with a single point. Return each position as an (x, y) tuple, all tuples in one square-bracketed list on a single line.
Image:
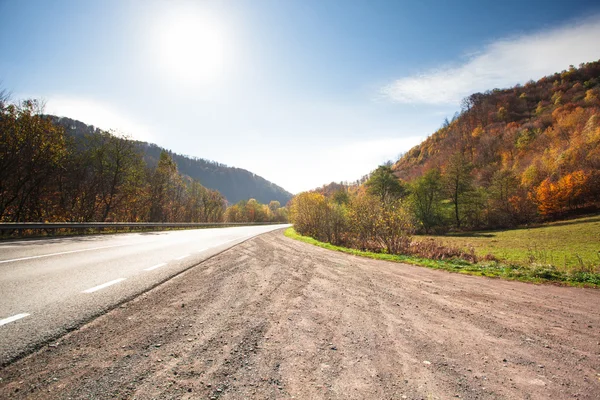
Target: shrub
[(432, 249), (308, 212), (366, 223), (394, 227)]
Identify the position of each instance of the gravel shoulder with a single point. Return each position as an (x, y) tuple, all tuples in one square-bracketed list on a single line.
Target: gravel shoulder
[(275, 318)]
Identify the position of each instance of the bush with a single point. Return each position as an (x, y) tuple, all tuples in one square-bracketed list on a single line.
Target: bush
[(366, 223), (394, 227), (308, 214), (434, 250)]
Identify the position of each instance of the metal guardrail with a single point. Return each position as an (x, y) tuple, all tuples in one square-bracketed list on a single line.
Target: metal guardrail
[(4, 226)]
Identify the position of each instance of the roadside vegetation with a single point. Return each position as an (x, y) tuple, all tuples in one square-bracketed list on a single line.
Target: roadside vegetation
[(536, 273), (49, 176), (525, 156), (253, 211), (46, 175), (235, 184), (379, 218)]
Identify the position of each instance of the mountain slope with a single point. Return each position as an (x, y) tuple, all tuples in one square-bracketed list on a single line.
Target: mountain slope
[(545, 135), (234, 183)]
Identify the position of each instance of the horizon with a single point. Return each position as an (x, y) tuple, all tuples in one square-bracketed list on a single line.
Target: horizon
[(322, 92)]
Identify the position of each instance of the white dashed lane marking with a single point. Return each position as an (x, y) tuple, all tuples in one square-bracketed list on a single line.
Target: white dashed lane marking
[(155, 266), (104, 285)]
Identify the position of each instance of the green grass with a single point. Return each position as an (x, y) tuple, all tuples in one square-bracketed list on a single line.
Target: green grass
[(537, 274), (564, 244)]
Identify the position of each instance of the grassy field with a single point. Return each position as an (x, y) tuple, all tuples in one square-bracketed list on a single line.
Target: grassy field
[(537, 273), (564, 244)]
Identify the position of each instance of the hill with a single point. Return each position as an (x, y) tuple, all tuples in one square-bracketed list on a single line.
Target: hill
[(234, 183), (518, 153)]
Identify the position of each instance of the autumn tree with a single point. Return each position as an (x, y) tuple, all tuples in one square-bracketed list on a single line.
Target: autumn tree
[(32, 151), (568, 193), (385, 185), (213, 205), (341, 196), (114, 167), (233, 213), (394, 227), (274, 205), (167, 190), (253, 211), (503, 192), (458, 183), (203, 205), (281, 215), (366, 222), (426, 199), (474, 207), (308, 211), (362, 217)]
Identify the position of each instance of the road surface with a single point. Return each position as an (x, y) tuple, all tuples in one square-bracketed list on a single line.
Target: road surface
[(273, 318), (50, 286)]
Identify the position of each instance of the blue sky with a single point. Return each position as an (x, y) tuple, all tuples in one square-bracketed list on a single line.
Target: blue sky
[(300, 92)]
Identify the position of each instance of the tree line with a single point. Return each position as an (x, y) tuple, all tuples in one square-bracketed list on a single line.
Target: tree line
[(46, 175), (253, 211), (379, 216)]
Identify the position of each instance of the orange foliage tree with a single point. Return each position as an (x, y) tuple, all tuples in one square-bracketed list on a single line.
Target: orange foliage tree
[(567, 193)]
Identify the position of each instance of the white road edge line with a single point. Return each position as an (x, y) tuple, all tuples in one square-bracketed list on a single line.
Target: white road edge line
[(182, 257), (104, 285), (64, 252), (13, 318), (201, 250), (155, 266)]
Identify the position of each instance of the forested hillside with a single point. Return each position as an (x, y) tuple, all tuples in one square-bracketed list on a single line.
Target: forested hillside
[(512, 156), (235, 184), (46, 175)]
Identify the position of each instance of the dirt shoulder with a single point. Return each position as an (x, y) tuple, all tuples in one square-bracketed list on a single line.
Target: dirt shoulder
[(276, 318)]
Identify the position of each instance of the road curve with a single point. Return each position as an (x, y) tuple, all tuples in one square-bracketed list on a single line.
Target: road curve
[(50, 286)]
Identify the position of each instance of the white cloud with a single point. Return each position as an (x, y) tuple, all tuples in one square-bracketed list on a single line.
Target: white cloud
[(501, 64), (95, 113)]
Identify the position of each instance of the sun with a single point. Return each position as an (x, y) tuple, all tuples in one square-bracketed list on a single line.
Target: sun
[(192, 48)]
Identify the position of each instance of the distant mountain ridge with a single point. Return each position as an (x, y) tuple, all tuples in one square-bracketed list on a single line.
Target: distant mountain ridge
[(235, 184)]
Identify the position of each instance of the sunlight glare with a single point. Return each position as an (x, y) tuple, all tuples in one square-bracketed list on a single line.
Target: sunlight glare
[(192, 48)]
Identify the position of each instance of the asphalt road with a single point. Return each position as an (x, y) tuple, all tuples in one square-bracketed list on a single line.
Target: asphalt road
[(51, 286)]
